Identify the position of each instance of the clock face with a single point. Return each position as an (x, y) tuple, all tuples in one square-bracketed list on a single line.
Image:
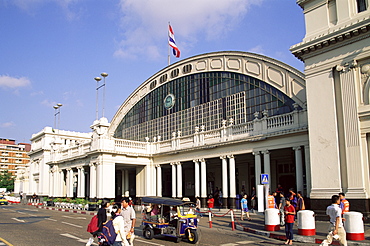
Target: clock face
[(169, 101)]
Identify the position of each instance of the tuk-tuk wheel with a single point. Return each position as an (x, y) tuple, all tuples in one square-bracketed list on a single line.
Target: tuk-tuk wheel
[(192, 236), (148, 233)]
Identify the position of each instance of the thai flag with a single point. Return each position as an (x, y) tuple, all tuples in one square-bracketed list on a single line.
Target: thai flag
[(171, 42)]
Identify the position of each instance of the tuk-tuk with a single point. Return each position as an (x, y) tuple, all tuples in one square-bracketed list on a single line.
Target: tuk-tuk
[(169, 217)]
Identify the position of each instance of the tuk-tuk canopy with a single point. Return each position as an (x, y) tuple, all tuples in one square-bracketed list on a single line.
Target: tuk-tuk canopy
[(164, 201)]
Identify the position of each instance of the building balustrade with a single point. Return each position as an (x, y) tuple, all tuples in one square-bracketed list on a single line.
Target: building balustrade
[(264, 126)]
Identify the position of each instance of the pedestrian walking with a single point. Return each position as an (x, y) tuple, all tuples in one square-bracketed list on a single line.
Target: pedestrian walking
[(289, 212), (281, 209), (119, 226), (102, 216), (300, 202), (210, 203), (344, 203), (198, 206), (244, 207), (336, 228), (129, 218)]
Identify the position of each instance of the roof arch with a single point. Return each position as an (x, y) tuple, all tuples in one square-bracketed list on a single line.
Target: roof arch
[(285, 78)]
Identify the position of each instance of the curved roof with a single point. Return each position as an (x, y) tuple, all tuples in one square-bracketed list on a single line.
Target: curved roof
[(278, 74)]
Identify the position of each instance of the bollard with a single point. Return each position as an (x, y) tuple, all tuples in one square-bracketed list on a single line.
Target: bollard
[(272, 219), (232, 220), (306, 223), (210, 219), (354, 226)]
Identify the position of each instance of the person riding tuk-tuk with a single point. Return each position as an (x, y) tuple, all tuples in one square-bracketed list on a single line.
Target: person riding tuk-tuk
[(169, 217)]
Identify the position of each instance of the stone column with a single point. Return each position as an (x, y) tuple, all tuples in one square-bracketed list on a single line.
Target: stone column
[(196, 178), (159, 180), (92, 180), (83, 183), (257, 167), (179, 180), (203, 181), (266, 163), (308, 169), (225, 180), (354, 177), (173, 166), (232, 196), (127, 184), (78, 181), (51, 183), (299, 168)]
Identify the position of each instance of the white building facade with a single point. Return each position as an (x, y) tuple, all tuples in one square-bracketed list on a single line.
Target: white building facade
[(336, 52), (213, 121)]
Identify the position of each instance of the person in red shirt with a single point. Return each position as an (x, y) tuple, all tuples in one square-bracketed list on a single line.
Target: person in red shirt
[(211, 203), (289, 212)]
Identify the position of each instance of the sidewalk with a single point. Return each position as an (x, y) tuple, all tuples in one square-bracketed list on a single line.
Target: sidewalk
[(257, 226), (222, 220)]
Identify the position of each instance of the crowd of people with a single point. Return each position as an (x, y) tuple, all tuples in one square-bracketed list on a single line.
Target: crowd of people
[(123, 218)]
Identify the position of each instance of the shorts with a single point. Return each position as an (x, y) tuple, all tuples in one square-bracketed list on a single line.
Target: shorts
[(245, 210)]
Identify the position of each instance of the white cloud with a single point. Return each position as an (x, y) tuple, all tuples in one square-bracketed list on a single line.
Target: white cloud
[(12, 82), (144, 23), (7, 124), (258, 50)]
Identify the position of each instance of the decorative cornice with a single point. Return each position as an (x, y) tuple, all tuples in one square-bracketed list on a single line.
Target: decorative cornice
[(326, 42)]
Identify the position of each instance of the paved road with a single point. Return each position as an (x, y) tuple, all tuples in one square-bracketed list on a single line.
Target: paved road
[(22, 225)]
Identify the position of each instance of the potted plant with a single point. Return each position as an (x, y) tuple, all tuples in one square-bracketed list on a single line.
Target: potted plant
[(92, 206), (50, 202)]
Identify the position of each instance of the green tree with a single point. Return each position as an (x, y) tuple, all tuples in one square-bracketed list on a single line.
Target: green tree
[(6, 180)]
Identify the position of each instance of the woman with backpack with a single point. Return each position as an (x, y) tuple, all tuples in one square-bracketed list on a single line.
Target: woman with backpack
[(119, 226), (102, 215)]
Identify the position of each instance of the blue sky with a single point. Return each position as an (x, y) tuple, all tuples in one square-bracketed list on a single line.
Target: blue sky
[(51, 50)]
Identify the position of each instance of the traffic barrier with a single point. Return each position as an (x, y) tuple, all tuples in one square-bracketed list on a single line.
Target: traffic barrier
[(272, 219), (232, 220), (306, 223), (354, 226), (210, 219)]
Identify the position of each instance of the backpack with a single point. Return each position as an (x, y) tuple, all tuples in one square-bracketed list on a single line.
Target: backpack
[(108, 234), (93, 225)]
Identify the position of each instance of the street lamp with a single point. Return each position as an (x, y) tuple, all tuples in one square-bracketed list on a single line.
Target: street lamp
[(57, 112), (98, 79)]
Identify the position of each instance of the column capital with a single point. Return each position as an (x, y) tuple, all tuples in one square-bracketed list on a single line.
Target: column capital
[(256, 153), (202, 160), (173, 163), (222, 157), (196, 161), (265, 152), (92, 164), (297, 148), (231, 156), (178, 163), (69, 169), (157, 165)]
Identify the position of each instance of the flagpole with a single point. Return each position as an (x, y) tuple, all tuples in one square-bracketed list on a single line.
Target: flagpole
[(169, 48)]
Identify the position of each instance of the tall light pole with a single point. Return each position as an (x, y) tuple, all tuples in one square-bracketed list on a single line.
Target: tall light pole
[(57, 112), (98, 79)]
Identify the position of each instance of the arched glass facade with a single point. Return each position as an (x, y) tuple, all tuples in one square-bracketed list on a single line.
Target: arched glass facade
[(200, 99)]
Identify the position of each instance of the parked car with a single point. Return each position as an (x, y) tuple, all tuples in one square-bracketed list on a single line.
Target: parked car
[(3, 201)]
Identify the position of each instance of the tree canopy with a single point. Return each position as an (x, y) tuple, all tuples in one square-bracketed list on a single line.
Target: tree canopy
[(6, 180)]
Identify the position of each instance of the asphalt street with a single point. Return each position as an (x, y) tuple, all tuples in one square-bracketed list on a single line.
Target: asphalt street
[(22, 225)]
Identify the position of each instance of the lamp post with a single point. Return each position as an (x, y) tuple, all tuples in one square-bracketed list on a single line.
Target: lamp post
[(57, 112), (98, 79)]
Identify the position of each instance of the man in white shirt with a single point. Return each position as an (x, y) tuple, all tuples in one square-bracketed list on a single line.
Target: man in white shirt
[(336, 229), (129, 217)]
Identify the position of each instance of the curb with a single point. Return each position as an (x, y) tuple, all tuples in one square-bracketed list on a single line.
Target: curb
[(66, 210), (297, 238)]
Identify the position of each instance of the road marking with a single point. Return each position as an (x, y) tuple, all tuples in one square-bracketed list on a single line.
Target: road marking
[(31, 210), (50, 219), (229, 244), (77, 218), (72, 224), (245, 242), (76, 238), (136, 239), (18, 220), (4, 242)]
